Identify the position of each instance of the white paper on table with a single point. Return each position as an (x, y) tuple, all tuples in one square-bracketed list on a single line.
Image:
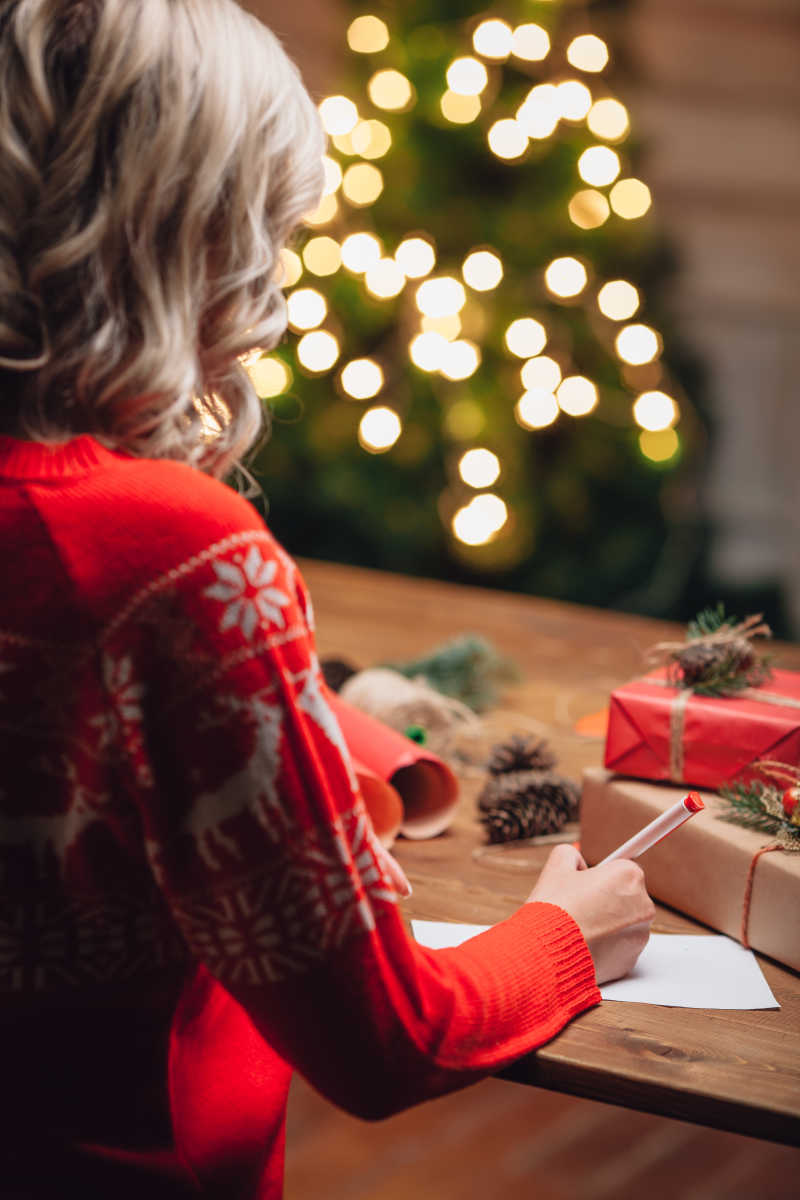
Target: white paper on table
[(694, 971)]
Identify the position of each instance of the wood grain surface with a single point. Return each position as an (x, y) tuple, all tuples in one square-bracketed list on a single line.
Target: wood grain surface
[(737, 1070)]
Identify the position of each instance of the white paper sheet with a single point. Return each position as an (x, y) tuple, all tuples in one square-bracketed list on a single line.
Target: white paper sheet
[(673, 970)]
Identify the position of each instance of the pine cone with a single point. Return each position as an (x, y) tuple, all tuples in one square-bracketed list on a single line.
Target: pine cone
[(697, 662), (519, 818), (336, 672), (534, 789), (521, 753)]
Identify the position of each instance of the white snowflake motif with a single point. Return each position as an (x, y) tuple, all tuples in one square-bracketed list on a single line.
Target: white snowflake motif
[(244, 588), (312, 701), (126, 694)]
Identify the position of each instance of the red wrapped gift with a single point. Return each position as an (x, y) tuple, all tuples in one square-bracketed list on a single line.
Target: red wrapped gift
[(657, 731)]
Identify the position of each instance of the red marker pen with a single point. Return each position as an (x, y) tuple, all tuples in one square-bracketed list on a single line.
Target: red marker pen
[(658, 828)]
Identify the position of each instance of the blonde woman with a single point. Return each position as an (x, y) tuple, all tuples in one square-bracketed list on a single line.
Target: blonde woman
[(192, 903)]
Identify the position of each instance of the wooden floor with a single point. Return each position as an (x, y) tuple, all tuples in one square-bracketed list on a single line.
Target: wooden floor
[(503, 1141)]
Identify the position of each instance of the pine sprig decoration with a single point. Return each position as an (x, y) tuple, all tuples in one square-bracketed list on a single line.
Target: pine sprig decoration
[(468, 668), (766, 803), (718, 657)]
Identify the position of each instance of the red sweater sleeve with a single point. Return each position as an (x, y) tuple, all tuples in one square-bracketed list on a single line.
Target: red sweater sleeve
[(260, 843)]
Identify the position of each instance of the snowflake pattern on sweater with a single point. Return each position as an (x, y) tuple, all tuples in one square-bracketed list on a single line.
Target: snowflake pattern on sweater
[(224, 755)]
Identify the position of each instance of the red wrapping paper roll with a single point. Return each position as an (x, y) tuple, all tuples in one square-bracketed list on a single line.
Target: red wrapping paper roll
[(427, 787)]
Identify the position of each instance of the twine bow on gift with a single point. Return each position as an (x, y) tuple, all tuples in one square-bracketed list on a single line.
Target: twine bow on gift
[(717, 658)]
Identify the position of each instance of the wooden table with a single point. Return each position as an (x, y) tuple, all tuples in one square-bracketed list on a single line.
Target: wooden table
[(734, 1070)]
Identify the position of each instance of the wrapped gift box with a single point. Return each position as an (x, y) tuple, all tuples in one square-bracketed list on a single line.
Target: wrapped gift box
[(702, 868), (660, 732)]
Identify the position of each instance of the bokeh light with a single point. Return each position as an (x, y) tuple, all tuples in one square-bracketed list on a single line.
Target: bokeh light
[(630, 198), (637, 344), (460, 109), (507, 139), (371, 138), (479, 468), (318, 351), (367, 35), (391, 90), (338, 114), (379, 429), (576, 395), (587, 53), (480, 520), (362, 183), (541, 372), (291, 268), (441, 296), (588, 209), (530, 42), (384, 279), (536, 409), (362, 378), (599, 165), (566, 276), (306, 308), (540, 111), (449, 327), (618, 300), (655, 411), (322, 255), (359, 251), (333, 174), (493, 39), (659, 445), (467, 76), (269, 376), (482, 270), (460, 359), (427, 350), (608, 119), (325, 211), (415, 257), (525, 337), (573, 99)]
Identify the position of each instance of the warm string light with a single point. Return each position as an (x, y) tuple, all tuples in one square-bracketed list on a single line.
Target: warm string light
[(379, 429), (439, 347), (479, 521)]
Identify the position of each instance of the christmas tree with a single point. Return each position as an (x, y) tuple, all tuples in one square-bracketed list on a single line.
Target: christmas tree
[(477, 383)]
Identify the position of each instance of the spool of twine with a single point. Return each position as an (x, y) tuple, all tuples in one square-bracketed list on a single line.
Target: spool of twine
[(402, 703)]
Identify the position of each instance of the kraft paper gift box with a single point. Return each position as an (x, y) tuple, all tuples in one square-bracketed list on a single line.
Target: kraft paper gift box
[(702, 868), (427, 788), (656, 731)]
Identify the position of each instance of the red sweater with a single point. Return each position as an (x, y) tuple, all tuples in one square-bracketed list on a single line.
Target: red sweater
[(191, 905)]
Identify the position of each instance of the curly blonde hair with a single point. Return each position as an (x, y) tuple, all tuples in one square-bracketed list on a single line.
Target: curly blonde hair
[(154, 157)]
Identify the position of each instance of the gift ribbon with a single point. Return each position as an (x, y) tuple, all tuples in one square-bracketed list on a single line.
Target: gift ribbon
[(789, 847), (677, 718)]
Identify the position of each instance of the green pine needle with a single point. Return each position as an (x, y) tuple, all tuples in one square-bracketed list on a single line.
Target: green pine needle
[(468, 668), (746, 806)]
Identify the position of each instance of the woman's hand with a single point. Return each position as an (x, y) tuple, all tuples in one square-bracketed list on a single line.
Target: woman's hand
[(609, 903)]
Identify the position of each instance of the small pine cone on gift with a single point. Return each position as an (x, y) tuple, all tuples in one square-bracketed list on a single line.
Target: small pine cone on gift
[(521, 753), (696, 662)]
